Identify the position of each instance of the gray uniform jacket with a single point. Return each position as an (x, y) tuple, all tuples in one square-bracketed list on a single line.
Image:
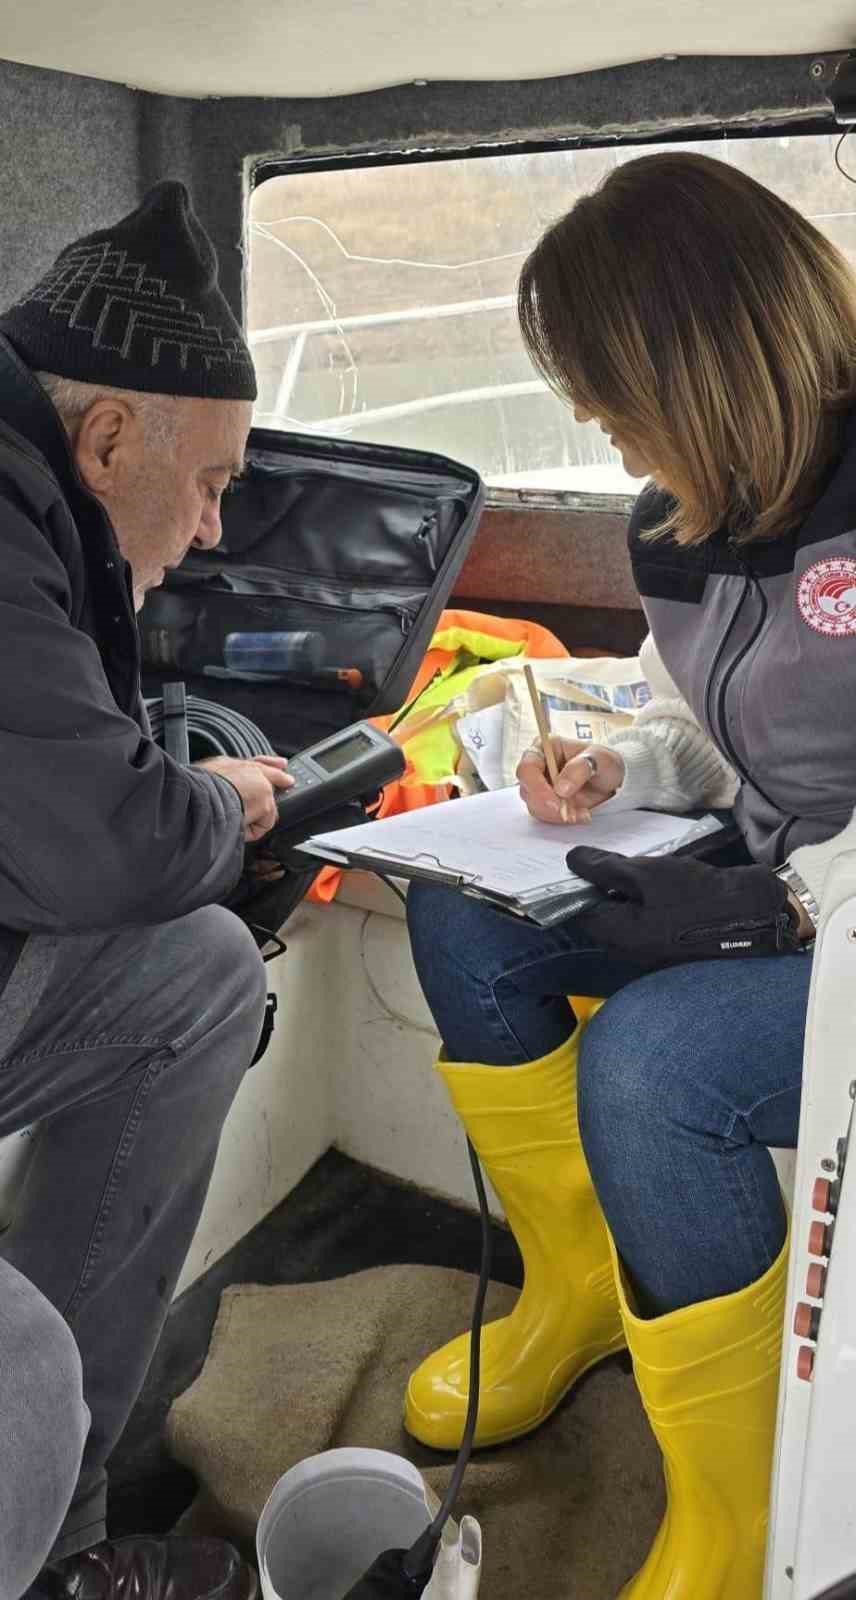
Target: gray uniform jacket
[(98, 827), (761, 641)]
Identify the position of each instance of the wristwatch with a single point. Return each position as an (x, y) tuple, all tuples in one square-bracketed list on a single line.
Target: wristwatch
[(800, 889)]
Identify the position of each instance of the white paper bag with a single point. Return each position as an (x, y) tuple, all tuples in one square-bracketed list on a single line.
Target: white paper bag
[(585, 699)]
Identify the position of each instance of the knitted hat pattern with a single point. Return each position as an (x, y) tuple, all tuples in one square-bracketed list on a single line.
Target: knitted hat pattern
[(137, 306)]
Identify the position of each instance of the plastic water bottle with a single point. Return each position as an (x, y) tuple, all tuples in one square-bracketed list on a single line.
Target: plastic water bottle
[(300, 652)]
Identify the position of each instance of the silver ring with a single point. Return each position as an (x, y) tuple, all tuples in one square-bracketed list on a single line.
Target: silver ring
[(591, 763), (533, 750)]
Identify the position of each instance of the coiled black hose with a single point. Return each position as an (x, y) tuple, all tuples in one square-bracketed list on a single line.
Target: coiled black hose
[(214, 730)]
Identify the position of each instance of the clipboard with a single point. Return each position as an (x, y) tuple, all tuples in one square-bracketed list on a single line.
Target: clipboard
[(518, 863)]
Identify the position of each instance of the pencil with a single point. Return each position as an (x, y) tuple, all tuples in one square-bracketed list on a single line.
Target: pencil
[(542, 717)]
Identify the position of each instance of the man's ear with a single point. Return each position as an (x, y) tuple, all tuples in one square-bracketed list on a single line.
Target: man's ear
[(106, 434)]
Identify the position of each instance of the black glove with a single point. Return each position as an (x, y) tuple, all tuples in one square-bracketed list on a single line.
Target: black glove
[(663, 911)]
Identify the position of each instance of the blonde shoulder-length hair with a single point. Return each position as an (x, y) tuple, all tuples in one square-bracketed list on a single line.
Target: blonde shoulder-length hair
[(708, 324)]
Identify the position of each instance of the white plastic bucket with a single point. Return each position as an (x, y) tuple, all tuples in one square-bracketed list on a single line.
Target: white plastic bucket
[(329, 1518)]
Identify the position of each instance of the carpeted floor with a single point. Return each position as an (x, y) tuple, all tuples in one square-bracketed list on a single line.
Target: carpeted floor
[(348, 1284), (342, 1218), (567, 1514)]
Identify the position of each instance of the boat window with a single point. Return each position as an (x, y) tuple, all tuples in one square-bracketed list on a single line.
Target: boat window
[(382, 299)]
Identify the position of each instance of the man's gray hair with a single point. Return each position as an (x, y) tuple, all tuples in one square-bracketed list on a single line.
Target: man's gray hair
[(157, 413)]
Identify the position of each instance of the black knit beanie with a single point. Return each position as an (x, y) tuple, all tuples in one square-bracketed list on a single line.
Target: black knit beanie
[(137, 306)]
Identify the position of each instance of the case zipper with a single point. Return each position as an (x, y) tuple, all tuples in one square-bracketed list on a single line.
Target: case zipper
[(404, 480), (405, 620), (295, 588), (340, 585)]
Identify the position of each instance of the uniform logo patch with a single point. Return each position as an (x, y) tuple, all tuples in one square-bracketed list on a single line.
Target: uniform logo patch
[(827, 597)]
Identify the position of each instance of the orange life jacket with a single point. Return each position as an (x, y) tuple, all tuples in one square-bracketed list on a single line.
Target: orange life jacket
[(462, 642)]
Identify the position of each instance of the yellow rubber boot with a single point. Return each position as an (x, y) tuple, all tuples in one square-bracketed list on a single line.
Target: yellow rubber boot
[(523, 1123), (708, 1376)]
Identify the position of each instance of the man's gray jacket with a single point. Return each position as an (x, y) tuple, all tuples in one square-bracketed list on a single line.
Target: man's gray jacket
[(99, 828), (760, 639)]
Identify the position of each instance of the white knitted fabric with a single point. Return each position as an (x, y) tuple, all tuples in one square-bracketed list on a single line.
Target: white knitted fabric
[(671, 764)]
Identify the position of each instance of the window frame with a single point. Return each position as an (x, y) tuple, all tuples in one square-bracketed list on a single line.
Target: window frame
[(533, 498)]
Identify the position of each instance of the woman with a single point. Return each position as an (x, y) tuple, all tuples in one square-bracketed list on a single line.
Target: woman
[(711, 331)]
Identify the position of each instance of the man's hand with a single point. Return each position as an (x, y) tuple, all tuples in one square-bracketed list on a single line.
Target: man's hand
[(257, 781), (579, 787), (664, 911)]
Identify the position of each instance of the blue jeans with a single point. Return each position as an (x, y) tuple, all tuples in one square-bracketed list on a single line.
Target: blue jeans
[(685, 1077)]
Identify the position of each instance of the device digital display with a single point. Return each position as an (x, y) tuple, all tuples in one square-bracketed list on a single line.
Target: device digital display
[(341, 755)]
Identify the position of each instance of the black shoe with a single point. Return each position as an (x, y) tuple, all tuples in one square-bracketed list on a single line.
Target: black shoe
[(151, 1569)]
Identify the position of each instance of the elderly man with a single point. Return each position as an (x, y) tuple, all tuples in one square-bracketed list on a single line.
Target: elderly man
[(131, 1002)]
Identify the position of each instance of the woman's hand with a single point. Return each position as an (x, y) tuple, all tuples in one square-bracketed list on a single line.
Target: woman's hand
[(588, 775)]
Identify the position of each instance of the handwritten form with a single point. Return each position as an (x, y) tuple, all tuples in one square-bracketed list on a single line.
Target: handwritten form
[(491, 840)]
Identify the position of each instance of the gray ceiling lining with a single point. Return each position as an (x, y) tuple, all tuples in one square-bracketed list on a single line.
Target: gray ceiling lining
[(79, 152)]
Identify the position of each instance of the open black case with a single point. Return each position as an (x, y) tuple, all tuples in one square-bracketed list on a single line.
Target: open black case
[(360, 543)]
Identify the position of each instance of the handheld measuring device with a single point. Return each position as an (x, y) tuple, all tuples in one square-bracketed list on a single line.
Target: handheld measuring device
[(344, 766)]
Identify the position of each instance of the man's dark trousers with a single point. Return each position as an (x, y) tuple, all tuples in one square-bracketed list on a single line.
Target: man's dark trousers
[(43, 1430), (127, 1049)]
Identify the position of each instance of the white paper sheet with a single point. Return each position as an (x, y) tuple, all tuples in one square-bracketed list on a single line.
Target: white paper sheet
[(490, 840)]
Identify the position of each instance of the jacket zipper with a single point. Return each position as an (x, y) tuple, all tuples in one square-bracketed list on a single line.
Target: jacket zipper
[(749, 582), (708, 694)]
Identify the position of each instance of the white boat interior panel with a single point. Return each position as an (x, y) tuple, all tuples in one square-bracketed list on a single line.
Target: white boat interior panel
[(330, 47)]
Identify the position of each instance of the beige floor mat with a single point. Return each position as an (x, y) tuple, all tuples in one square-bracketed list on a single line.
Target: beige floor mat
[(567, 1514)]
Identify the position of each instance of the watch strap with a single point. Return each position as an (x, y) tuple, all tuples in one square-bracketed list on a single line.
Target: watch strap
[(801, 890)]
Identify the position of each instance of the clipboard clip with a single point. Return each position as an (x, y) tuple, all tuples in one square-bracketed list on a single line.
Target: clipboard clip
[(409, 867)]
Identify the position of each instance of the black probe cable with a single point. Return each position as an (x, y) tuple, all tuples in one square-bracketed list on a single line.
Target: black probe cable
[(397, 1575), (414, 1561)]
